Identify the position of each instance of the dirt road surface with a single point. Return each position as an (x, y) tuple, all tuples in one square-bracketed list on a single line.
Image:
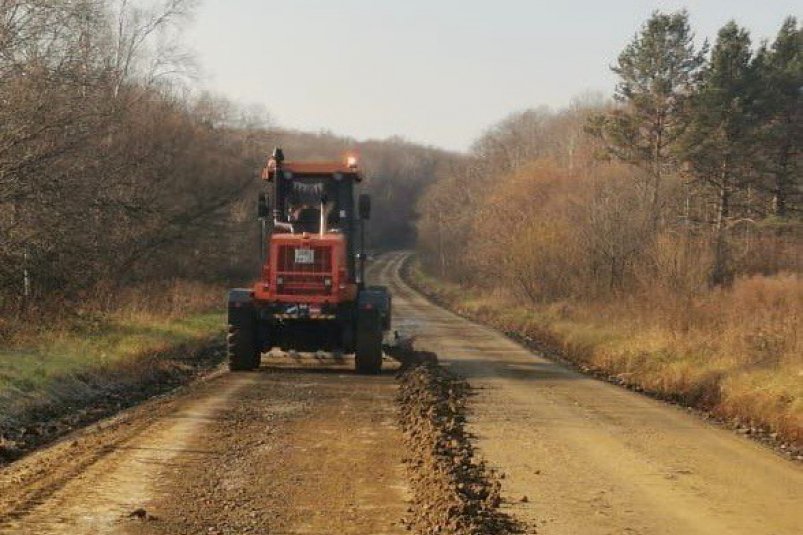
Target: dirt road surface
[(289, 449), (593, 458), (302, 446)]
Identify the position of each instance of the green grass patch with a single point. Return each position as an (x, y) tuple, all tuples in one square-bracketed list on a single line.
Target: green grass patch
[(35, 364)]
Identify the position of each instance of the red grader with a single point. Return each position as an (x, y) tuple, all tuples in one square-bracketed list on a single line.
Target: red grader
[(312, 293)]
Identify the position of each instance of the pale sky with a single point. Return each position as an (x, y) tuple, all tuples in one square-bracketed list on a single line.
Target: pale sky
[(432, 71)]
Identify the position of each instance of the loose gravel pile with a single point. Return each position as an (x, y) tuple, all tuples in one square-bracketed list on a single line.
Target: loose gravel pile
[(453, 491)]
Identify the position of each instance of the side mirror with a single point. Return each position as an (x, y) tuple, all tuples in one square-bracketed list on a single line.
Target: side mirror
[(262, 206), (364, 206)]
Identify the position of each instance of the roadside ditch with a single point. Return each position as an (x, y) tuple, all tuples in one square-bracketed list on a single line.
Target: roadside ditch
[(83, 398)]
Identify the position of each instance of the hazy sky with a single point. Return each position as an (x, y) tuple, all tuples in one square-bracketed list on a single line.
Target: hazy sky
[(432, 71)]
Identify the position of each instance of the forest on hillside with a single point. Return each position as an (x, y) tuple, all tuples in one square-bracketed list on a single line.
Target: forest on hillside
[(115, 174)]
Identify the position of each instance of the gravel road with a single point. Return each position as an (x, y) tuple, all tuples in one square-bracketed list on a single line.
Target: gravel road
[(584, 456), (306, 446)]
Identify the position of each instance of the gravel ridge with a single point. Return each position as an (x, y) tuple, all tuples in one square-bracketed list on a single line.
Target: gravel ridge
[(454, 492)]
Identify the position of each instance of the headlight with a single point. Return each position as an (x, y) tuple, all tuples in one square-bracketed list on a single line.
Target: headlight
[(279, 281), (327, 282)]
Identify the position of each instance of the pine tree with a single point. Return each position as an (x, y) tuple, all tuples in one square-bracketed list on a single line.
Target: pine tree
[(658, 72), (719, 143), (780, 104)]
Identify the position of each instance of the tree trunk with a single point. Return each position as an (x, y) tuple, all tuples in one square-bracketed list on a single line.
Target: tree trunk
[(781, 182), (441, 253), (657, 178), (721, 274)]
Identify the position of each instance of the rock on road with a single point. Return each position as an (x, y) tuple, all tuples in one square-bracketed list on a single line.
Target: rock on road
[(307, 447)]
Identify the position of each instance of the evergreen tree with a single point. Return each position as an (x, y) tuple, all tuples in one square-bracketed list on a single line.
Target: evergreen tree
[(780, 107), (658, 72), (719, 143)]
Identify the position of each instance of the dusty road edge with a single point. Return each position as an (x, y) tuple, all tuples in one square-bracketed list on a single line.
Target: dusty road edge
[(454, 492), (782, 448)]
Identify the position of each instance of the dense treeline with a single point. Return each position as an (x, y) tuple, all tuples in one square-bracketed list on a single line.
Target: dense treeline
[(114, 174), (106, 171), (691, 176), (657, 238)]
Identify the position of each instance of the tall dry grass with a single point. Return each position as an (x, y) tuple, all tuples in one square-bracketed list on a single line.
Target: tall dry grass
[(737, 351), (152, 301)]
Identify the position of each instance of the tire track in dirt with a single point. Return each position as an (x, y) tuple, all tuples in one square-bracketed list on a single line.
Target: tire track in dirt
[(303, 445), (98, 479), (304, 449)]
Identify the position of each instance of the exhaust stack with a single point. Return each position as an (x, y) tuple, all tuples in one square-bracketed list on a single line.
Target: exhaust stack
[(322, 226)]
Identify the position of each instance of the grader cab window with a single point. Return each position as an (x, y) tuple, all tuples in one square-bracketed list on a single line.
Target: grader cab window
[(307, 197)]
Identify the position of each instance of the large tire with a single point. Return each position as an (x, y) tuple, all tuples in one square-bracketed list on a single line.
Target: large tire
[(242, 349), (368, 354), (256, 359), (347, 339)]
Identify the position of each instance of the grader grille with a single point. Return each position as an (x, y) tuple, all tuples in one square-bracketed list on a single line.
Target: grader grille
[(304, 270)]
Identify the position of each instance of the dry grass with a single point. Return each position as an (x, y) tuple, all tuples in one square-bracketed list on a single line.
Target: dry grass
[(113, 326), (737, 352)]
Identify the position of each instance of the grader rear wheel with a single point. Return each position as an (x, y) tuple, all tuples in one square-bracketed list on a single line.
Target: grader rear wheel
[(368, 355), (241, 349)]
